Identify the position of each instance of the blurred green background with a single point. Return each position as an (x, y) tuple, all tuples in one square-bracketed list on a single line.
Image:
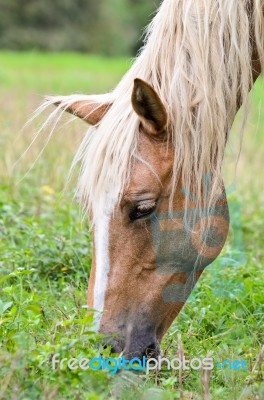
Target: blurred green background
[(109, 27)]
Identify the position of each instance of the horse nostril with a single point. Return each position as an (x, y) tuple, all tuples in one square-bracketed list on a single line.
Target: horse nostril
[(152, 351), (114, 344), (116, 347)]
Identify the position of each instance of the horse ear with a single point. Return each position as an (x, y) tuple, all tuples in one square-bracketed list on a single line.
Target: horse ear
[(87, 110), (149, 107)]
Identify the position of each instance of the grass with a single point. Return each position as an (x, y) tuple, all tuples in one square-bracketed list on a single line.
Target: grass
[(45, 257)]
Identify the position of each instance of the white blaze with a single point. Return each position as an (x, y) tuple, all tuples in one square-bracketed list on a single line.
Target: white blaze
[(102, 261)]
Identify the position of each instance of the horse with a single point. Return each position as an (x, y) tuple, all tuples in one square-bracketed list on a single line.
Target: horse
[(151, 164)]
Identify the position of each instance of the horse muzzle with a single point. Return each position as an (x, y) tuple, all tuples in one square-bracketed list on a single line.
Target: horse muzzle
[(136, 343)]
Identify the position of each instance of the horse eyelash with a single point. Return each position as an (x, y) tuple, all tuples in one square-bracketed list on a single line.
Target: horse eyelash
[(147, 211)]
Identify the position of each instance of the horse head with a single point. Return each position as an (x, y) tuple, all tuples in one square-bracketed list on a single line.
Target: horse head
[(152, 244)]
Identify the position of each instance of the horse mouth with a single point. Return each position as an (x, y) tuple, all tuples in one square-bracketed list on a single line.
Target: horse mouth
[(151, 351), (133, 349)]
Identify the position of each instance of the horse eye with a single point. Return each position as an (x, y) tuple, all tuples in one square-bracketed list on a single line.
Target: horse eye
[(142, 210)]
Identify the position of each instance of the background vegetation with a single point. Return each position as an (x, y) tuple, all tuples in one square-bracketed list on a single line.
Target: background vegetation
[(45, 245), (111, 27), (45, 255)]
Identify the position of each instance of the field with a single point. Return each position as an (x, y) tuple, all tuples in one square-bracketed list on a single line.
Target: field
[(45, 255)]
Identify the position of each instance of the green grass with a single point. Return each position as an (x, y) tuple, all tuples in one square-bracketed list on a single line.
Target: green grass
[(69, 72), (45, 257)]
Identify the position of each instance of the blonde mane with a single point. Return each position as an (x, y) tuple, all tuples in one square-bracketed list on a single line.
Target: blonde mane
[(198, 57)]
